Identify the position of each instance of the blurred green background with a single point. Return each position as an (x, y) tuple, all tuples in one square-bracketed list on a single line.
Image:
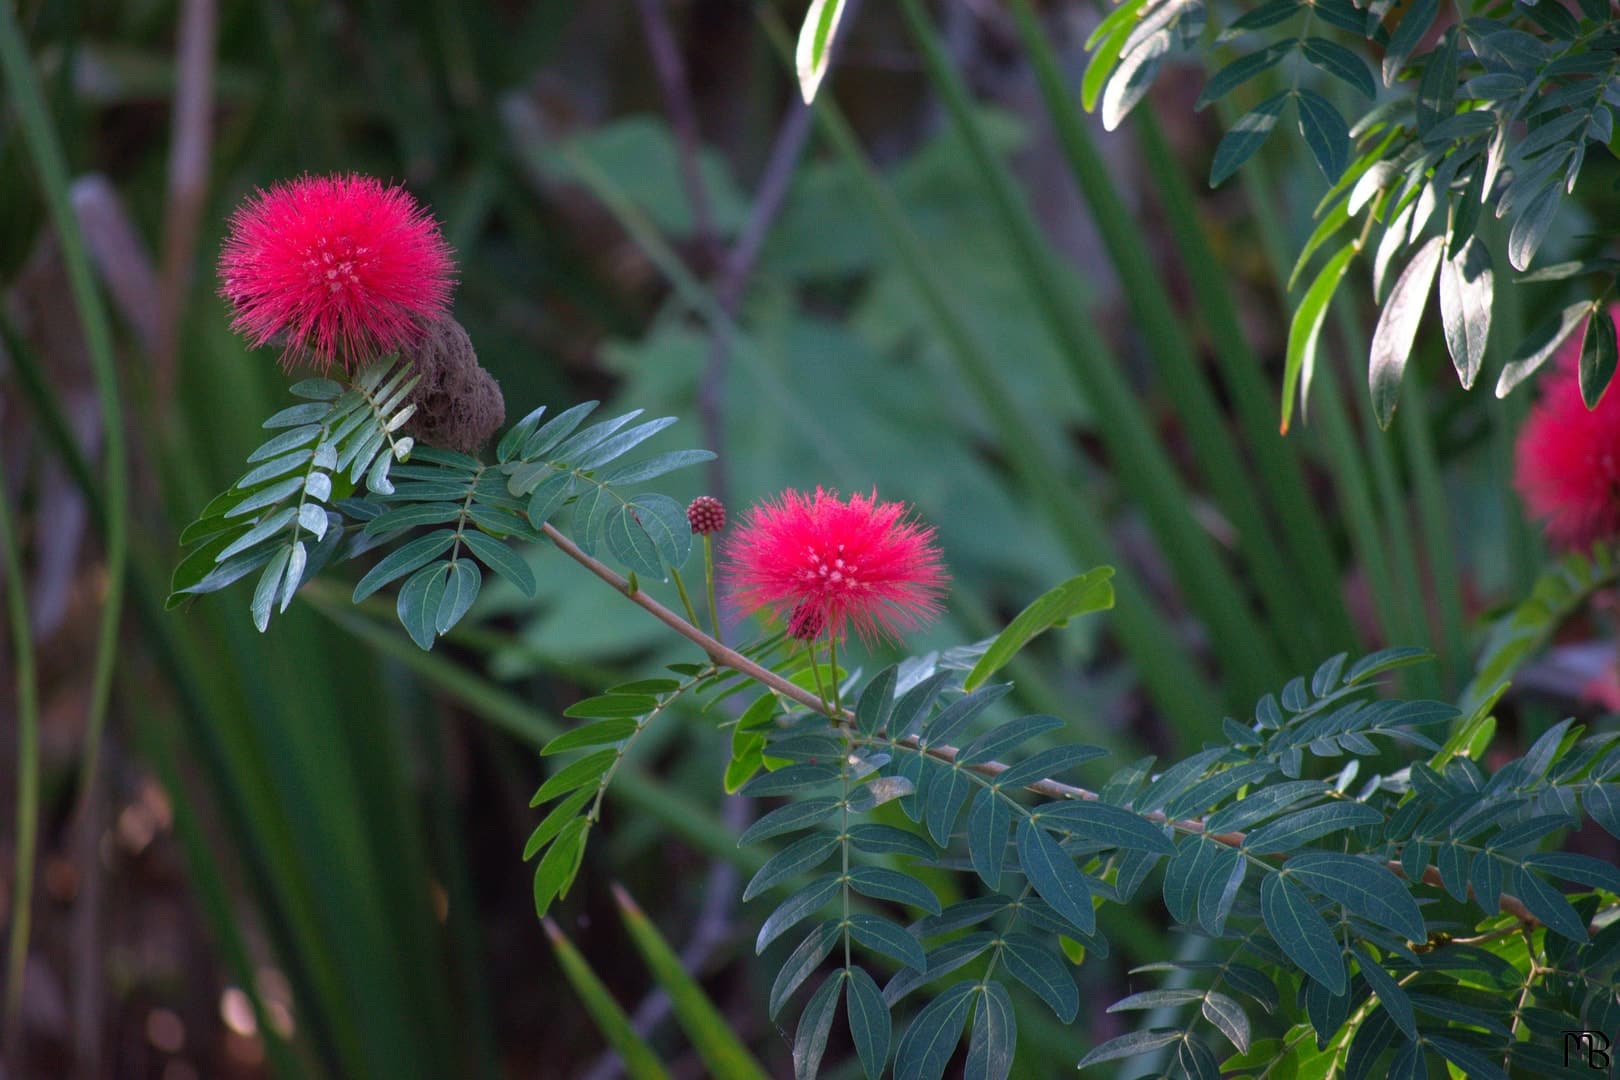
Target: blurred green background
[(300, 852)]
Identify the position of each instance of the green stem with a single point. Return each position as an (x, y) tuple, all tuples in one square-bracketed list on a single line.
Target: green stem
[(461, 519), (815, 673), (832, 661), (386, 391), (1532, 972), (23, 86), (708, 578), (686, 601), (22, 890), (623, 747), (1006, 928), (843, 838)]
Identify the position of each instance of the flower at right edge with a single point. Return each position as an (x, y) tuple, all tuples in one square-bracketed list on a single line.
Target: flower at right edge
[(1567, 458), (826, 564)]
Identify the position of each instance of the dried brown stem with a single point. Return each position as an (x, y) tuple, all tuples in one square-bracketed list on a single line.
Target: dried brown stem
[(671, 72), (190, 150), (733, 279)]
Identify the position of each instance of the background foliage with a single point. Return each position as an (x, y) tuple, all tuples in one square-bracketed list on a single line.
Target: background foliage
[(944, 282), (1492, 115)]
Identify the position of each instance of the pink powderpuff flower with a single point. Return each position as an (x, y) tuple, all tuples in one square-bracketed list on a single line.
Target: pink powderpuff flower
[(826, 565), (339, 269), (1567, 459)]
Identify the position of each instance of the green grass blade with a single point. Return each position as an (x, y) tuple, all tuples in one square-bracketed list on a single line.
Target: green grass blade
[(392, 871), (358, 980), (468, 983), (640, 1063), (1525, 553), (710, 1032), (22, 83), (233, 758), (1179, 370), (1407, 583), (1330, 421), (1434, 522), (157, 745), (1351, 486), (1278, 460), (634, 787), (1247, 652), (26, 676), (1520, 633), (1173, 682), (246, 801)]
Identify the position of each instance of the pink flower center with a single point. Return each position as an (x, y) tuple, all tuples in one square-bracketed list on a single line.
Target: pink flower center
[(335, 262), (828, 572)]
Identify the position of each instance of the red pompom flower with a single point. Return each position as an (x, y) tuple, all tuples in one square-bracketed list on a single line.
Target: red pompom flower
[(827, 565), (340, 269), (1567, 460)]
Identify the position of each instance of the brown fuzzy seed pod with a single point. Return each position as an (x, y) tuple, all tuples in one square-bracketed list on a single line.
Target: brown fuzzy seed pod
[(458, 404), (706, 514)]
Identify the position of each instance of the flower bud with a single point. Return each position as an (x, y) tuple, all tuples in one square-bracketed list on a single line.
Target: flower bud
[(706, 514)]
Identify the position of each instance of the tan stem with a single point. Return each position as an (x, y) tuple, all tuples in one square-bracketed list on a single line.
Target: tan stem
[(736, 661)]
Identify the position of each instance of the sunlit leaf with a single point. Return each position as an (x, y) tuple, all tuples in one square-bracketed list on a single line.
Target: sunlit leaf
[(815, 45), (1466, 293), (1081, 595), (1299, 369), (1137, 1042), (1540, 345), (1397, 327), (1246, 135)]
